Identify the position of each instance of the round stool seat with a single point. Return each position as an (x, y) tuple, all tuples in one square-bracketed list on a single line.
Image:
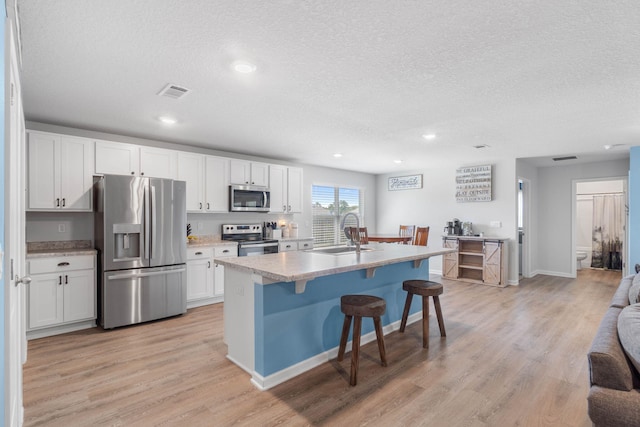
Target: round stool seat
[(362, 305), (425, 288)]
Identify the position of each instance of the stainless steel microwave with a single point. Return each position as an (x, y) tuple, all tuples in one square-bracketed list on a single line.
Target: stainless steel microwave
[(249, 198)]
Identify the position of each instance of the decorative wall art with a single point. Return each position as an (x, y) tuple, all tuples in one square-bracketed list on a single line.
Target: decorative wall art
[(409, 182), (473, 184)]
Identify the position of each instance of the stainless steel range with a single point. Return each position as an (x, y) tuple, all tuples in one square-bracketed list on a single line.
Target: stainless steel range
[(250, 239)]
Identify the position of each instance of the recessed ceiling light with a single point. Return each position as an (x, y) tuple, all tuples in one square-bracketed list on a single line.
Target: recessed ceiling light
[(397, 161), (167, 120), (243, 67), (429, 136), (337, 155)]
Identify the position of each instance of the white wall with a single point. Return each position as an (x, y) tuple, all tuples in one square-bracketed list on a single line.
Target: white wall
[(45, 226), (554, 211), (435, 204)]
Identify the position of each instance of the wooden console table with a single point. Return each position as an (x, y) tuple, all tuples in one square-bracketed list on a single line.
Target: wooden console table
[(477, 259)]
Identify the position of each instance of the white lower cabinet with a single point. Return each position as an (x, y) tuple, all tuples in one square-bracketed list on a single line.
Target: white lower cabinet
[(205, 278), (61, 296)]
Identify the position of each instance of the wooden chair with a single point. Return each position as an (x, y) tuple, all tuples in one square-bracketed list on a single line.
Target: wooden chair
[(422, 236), (407, 231), (362, 232), (356, 307)]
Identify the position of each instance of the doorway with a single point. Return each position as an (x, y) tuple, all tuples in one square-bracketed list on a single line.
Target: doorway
[(600, 224), (524, 242)]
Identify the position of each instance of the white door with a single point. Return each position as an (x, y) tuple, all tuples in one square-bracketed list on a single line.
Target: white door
[(75, 173), (15, 345), (191, 170)]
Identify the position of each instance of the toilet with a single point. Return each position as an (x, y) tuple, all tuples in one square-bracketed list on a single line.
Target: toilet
[(580, 255)]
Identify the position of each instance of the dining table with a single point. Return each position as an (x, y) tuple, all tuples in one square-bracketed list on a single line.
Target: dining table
[(389, 238)]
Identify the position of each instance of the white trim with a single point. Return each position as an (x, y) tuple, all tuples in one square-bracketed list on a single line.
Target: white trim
[(555, 273), (265, 383)]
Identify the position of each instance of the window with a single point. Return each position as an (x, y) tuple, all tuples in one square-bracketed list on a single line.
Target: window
[(330, 204)]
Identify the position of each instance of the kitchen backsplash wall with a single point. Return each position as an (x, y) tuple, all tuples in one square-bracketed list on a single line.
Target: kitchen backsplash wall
[(56, 226)]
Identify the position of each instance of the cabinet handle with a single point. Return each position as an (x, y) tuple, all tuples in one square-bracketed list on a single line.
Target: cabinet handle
[(63, 264), (59, 280), (284, 208), (66, 279), (198, 253), (226, 251), (141, 173), (208, 264), (289, 209), (133, 173), (64, 202), (57, 203), (200, 205), (208, 206)]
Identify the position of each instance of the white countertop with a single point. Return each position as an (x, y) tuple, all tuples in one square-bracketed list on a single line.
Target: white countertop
[(306, 265)]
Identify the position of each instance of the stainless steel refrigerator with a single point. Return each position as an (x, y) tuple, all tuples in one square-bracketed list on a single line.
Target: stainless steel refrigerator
[(140, 233)]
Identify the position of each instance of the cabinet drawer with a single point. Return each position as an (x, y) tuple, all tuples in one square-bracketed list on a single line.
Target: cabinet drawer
[(305, 244), (199, 253), (57, 264), (287, 246), (224, 251)]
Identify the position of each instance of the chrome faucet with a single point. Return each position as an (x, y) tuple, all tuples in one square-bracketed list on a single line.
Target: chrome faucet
[(352, 241)]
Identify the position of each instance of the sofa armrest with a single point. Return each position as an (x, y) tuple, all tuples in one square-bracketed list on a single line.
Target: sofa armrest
[(608, 365), (621, 297), (617, 408)]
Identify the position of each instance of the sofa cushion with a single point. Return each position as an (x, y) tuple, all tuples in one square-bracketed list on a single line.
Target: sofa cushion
[(608, 365), (634, 289), (629, 333), (613, 407), (621, 297)]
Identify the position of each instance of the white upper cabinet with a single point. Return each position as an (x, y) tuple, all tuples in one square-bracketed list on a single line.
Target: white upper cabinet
[(191, 170), (207, 180), (158, 163), (244, 172), (117, 158), (60, 172), (217, 184), (127, 159), (285, 184)]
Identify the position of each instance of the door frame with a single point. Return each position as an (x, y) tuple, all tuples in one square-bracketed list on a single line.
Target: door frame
[(626, 267), (526, 227)]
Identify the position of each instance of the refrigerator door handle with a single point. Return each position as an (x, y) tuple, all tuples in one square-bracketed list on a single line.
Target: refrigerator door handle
[(152, 237), (152, 273), (146, 222)]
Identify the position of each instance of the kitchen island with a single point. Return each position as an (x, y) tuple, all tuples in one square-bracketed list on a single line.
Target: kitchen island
[(282, 311)]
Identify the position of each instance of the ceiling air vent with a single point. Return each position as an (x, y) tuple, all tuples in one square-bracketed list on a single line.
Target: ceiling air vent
[(559, 159), (174, 91), (481, 146)]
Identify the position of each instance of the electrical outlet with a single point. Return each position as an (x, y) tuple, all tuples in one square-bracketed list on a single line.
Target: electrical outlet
[(61, 228), (496, 224)]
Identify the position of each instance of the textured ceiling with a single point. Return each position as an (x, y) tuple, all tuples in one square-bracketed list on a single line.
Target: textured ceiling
[(363, 78)]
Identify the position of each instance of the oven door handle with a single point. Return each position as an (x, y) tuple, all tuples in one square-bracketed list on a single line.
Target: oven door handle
[(258, 245)]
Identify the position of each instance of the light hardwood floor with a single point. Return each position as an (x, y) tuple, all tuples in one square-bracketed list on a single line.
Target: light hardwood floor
[(512, 357)]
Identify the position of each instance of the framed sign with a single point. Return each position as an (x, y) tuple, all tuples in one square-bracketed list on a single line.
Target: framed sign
[(473, 184), (410, 182)]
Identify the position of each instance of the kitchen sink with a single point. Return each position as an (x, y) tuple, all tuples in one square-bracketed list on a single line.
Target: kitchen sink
[(339, 250)]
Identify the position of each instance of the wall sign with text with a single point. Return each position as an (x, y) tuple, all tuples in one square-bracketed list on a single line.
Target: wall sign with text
[(473, 184), (409, 182)]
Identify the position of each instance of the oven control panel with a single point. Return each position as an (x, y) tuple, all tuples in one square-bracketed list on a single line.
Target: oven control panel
[(241, 228)]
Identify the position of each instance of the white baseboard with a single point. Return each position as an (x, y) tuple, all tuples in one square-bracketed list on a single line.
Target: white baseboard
[(553, 273), (265, 383)]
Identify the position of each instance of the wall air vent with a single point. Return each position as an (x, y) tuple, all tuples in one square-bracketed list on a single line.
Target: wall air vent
[(174, 91), (559, 159)]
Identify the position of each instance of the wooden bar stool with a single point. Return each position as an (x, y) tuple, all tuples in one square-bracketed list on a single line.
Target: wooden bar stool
[(359, 306), (426, 289)]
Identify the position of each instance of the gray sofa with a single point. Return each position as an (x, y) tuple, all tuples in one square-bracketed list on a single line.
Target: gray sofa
[(614, 396)]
